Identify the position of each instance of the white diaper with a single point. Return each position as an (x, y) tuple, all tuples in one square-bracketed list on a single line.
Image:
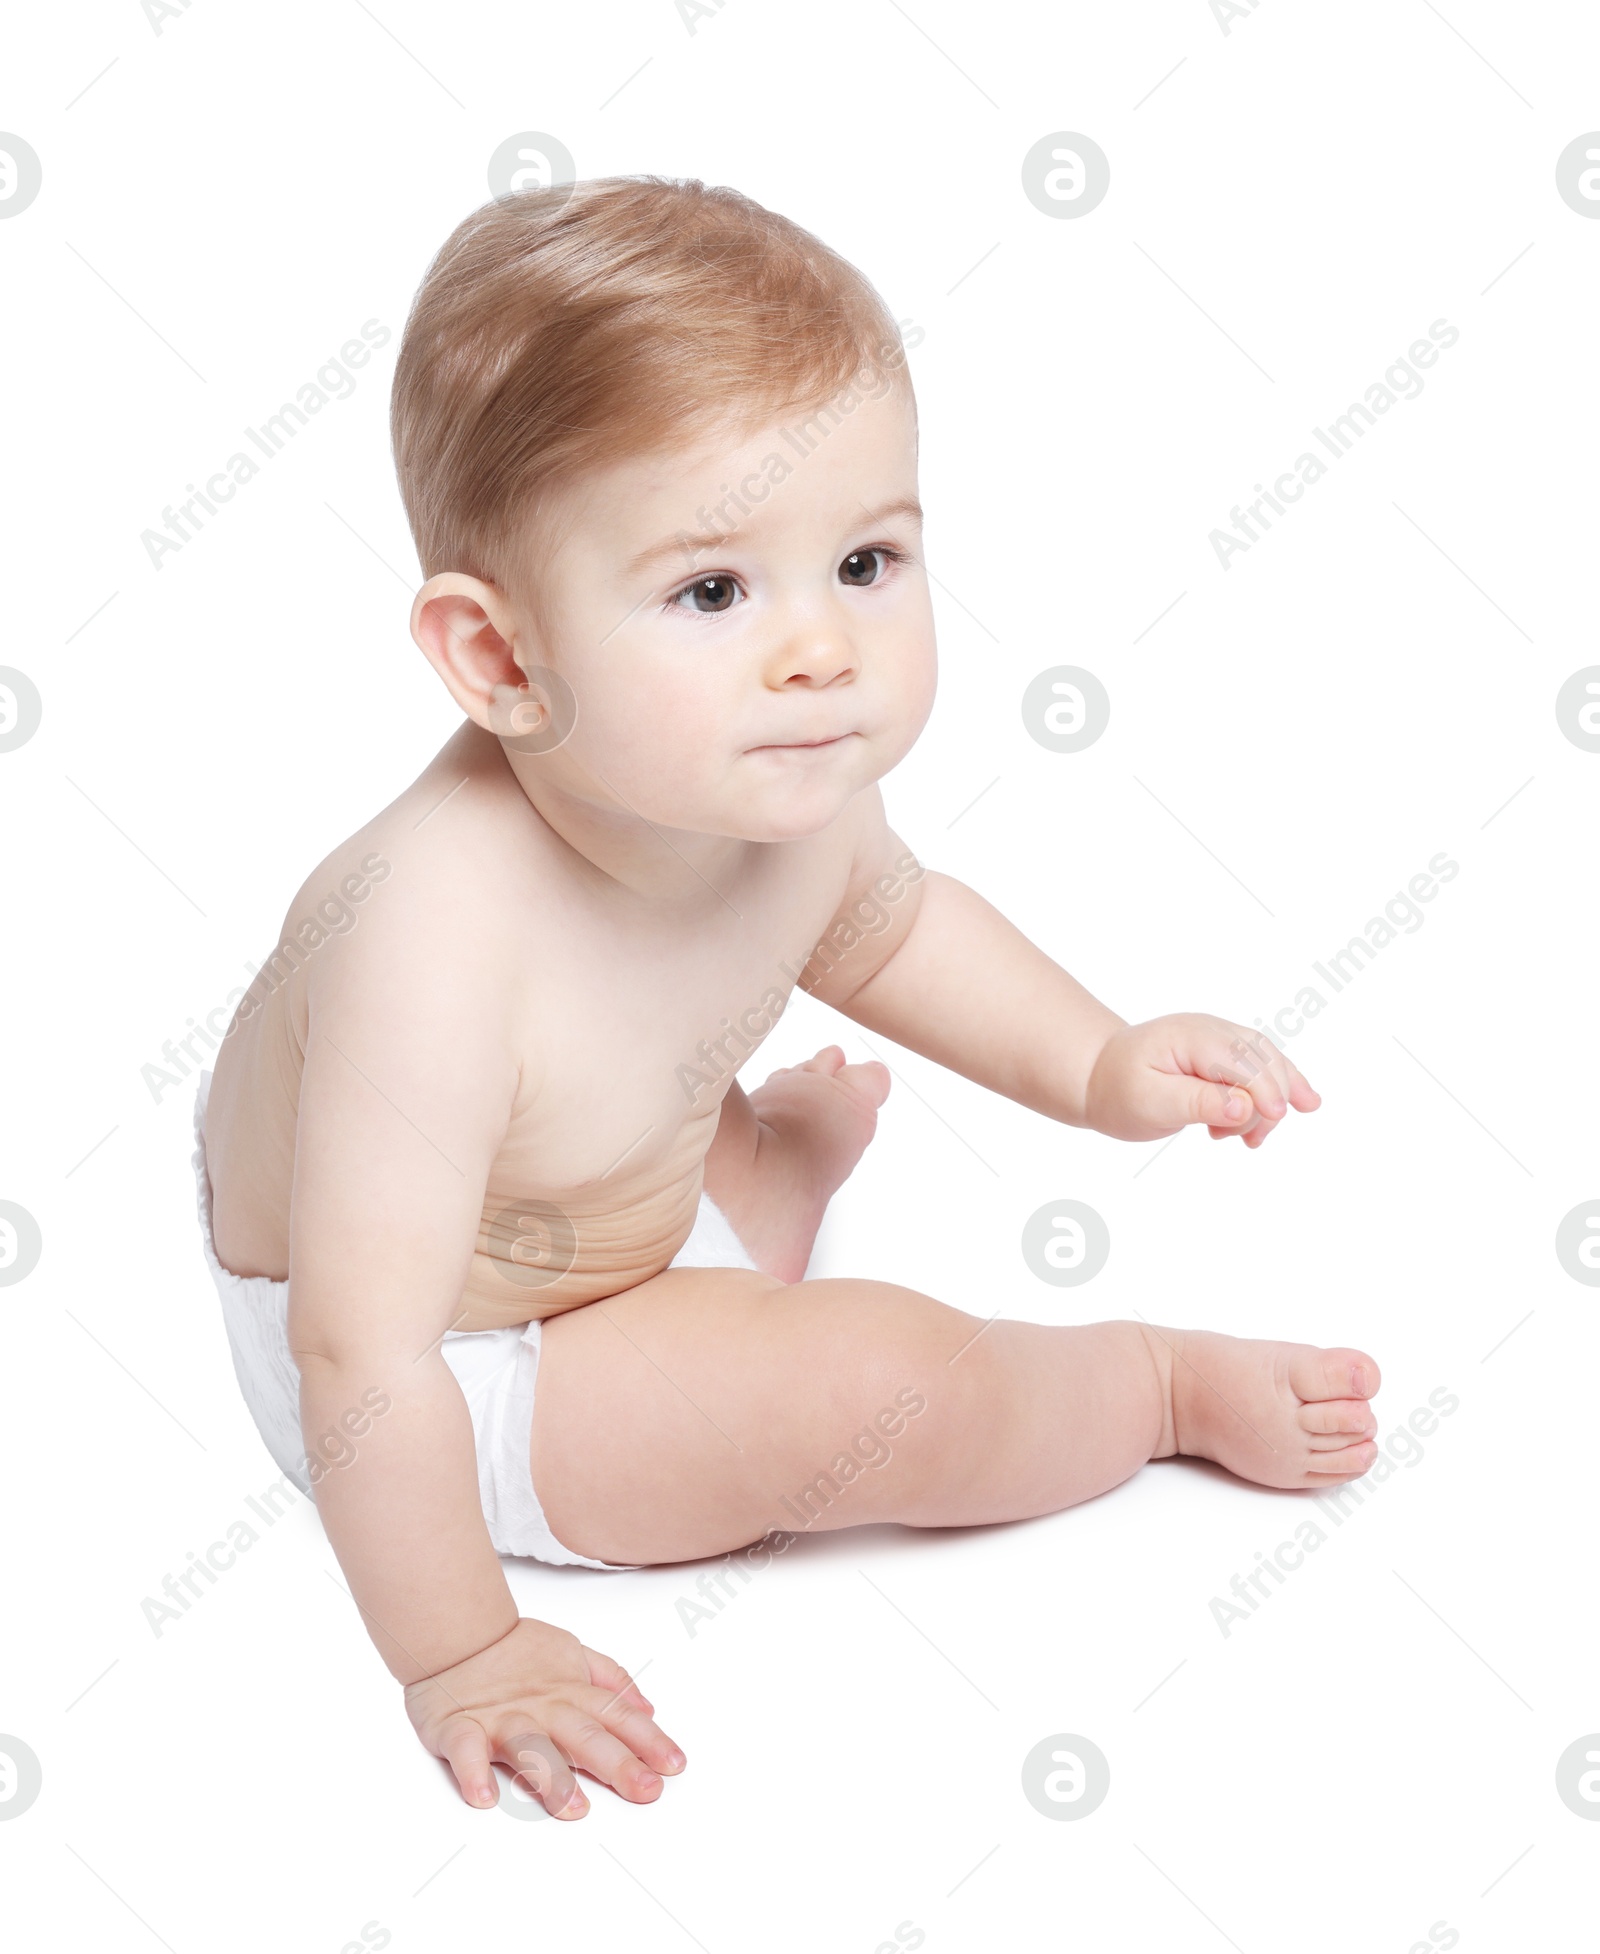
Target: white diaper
[(496, 1369)]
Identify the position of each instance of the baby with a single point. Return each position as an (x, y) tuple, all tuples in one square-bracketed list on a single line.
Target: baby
[(509, 1262)]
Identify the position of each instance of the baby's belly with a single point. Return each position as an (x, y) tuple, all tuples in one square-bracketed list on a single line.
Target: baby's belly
[(536, 1258)]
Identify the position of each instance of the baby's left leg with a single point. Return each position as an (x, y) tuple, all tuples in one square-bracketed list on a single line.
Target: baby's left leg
[(705, 1407), (780, 1153)]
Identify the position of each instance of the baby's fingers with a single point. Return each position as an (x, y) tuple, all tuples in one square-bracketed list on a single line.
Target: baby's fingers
[(592, 1746), (638, 1731), (537, 1759), (1302, 1094), (1274, 1084), (612, 1676), (1207, 1102), (464, 1746)]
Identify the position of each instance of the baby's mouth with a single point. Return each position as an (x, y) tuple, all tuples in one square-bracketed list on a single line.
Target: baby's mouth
[(803, 746)]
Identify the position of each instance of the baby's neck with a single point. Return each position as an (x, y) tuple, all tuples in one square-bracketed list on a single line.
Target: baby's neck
[(592, 820)]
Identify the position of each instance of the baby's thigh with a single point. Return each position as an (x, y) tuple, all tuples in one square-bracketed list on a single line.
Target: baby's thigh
[(694, 1413)]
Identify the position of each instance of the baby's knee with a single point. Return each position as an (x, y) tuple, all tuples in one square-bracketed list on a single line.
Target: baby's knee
[(877, 1327), (898, 1373)]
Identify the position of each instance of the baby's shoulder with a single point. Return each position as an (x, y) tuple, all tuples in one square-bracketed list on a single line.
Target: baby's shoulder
[(416, 896)]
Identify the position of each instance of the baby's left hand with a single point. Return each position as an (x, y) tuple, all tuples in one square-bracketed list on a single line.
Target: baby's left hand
[(1154, 1079)]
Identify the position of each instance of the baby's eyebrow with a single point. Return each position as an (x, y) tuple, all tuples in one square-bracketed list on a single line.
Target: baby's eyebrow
[(907, 505), (672, 545)]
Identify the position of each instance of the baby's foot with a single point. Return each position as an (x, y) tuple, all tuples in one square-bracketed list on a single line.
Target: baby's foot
[(1282, 1414), (815, 1122)]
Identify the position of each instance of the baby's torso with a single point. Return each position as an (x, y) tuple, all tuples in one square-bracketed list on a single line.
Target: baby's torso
[(626, 1035)]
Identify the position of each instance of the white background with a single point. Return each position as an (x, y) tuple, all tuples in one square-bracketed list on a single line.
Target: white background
[(224, 203)]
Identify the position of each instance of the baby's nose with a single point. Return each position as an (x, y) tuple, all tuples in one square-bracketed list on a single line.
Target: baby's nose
[(815, 657)]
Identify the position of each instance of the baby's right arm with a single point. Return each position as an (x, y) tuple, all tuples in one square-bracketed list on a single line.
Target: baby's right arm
[(404, 1098)]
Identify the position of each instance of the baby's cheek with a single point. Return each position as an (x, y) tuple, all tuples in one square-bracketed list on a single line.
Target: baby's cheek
[(647, 739), (919, 683), (913, 708)]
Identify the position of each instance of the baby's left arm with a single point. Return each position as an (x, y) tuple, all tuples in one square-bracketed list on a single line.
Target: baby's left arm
[(948, 976)]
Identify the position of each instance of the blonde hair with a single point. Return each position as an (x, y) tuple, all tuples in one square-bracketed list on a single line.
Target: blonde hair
[(562, 329)]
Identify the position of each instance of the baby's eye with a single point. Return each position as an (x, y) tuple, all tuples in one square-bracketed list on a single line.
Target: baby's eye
[(708, 596), (859, 569)]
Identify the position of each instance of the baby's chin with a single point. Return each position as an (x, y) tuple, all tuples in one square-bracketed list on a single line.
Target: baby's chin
[(759, 804)]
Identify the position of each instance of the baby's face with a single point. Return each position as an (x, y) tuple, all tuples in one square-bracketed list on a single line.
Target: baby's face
[(751, 685)]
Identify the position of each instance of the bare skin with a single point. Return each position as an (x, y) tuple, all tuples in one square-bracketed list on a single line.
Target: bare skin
[(781, 1155), (534, 976)]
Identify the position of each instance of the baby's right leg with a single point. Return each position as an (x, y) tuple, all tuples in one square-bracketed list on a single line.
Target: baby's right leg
[(692, 1414)]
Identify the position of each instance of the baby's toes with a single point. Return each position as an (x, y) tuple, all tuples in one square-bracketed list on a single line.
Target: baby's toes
[(1338, 1373), (871, 1078), (1335, 1442), (1348, 1462), (828, 1061), (1336, 1421)]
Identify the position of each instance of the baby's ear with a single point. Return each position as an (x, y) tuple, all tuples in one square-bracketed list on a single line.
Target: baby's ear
[(466, 630)]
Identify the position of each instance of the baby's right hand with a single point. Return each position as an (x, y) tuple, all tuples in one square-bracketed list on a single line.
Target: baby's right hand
[(539, 1702)]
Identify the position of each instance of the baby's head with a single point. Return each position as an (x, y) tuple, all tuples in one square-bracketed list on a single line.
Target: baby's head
[(658, 449)]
